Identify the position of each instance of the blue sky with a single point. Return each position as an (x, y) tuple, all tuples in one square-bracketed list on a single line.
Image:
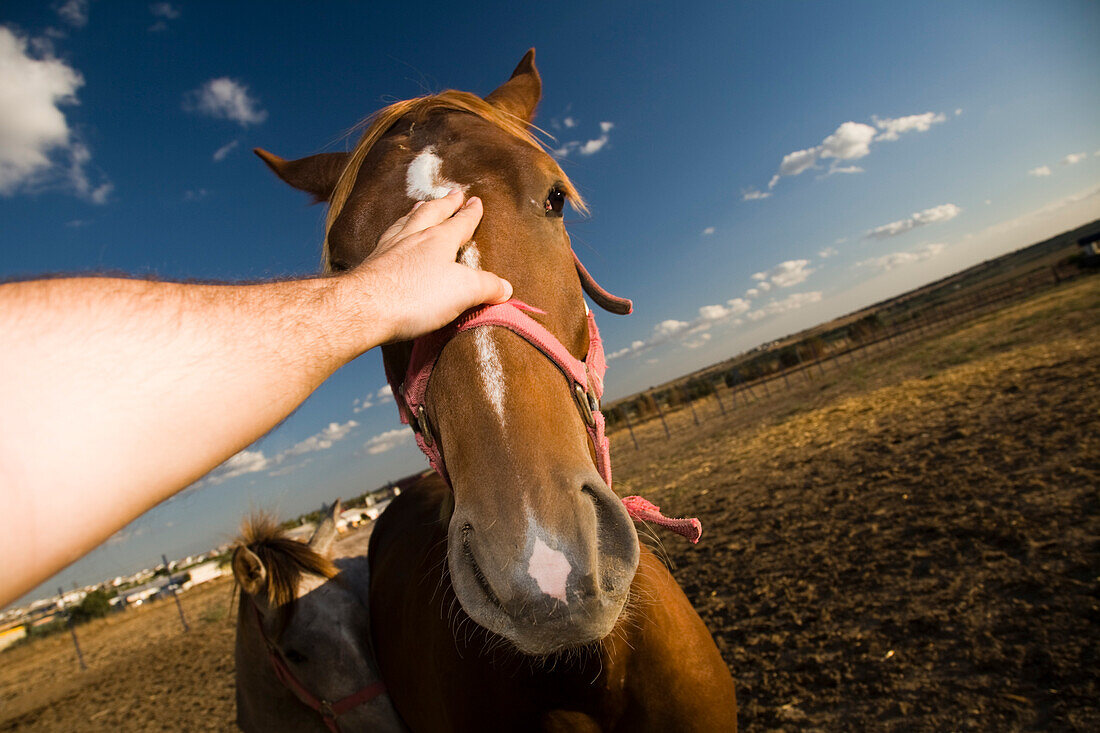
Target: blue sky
[(753, 169)]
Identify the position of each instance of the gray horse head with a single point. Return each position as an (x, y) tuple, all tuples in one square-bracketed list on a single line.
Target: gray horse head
[(302, 613)]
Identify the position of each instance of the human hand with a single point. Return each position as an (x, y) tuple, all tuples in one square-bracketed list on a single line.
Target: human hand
[(412, 276)]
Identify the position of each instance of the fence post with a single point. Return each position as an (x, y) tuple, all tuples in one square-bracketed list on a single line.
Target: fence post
[(179, 606), (72, 629), (720, 405), (626, 416), (691, 403), (661, 414)]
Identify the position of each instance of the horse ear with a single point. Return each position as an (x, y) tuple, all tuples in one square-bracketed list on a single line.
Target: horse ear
[(316, 174), (325, 534), (249, 571), (520, 94)]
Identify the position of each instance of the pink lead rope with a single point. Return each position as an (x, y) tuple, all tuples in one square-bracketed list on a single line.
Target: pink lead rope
[(585, 379)]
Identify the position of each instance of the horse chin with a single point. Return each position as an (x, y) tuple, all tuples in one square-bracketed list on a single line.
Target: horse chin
[(529, 632)]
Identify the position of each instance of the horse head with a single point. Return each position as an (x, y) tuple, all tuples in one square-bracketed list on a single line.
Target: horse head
[(540, 550), (303, 636)]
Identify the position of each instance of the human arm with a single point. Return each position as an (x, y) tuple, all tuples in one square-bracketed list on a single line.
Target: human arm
[(117, 393)]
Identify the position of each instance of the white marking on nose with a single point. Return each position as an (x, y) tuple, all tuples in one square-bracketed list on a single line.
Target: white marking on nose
[(423, 181), (550, 569), (488, 356)]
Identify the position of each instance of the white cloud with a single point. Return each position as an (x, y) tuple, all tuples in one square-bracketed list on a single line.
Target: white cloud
[(290, 468), (77, 174), (790, 303), (225, 98), (708, 231), (323, 440), (74, 12), (850, 141), (247, 461), (797, 162), (669, 327), (385, 392), (1074, 158), (844, 169), (634, 346), (892, 128), (360, 404), (697, 341), (958, 111), (387, 441), (753, 195), (38, 149), (225, 150), (752, 293), (737, 306), (784, 275), (590, 147), (1043, 170), (196, 194), (163, 12), (709, 315), (936, 214), (827, 253), (594, 146), (899, 259)]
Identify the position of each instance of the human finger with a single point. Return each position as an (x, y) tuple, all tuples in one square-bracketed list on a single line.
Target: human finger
[(430, 213), (492, 288), (456, 231), (393, 230)]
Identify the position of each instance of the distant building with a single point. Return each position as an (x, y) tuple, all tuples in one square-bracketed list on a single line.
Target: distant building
[(302, 532), (11, 634), (203, 573)]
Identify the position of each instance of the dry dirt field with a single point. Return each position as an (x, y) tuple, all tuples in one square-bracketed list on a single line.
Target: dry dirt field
[(908, 543)]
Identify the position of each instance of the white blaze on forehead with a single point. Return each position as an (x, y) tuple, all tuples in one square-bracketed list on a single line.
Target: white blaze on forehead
[(550, 569), (488, 356), (423, 180)]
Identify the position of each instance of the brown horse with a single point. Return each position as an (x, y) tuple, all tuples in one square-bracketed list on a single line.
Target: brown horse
[(303, 649), (516, 597)]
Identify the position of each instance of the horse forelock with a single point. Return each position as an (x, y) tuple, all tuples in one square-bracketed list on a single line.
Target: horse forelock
[(285, 561), (379, 123)]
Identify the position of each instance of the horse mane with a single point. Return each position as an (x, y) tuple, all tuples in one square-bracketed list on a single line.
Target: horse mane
[(284, 559), (379, 123)]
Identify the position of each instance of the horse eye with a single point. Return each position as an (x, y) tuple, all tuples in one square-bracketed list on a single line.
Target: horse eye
[(554, 202), (294, 656)]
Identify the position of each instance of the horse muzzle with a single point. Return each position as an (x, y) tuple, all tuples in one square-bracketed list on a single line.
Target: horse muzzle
[(551, 583)]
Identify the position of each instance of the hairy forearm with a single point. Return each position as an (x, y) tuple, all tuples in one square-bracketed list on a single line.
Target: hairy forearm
[(120, 392)]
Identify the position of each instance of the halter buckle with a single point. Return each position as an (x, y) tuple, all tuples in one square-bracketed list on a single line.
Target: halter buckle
[(325, 709), (422, 425), (582, 399)]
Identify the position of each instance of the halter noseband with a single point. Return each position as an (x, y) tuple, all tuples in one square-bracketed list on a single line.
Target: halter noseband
[(585, 378), (329, 711)]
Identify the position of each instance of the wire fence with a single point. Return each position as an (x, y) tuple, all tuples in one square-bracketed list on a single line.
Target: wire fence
[(720, 391)]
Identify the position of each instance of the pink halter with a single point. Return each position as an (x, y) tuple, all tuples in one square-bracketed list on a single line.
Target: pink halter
[(585, 378)]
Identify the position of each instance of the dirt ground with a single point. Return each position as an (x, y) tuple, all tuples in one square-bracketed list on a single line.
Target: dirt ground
[(914, 545), (910, 542)]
